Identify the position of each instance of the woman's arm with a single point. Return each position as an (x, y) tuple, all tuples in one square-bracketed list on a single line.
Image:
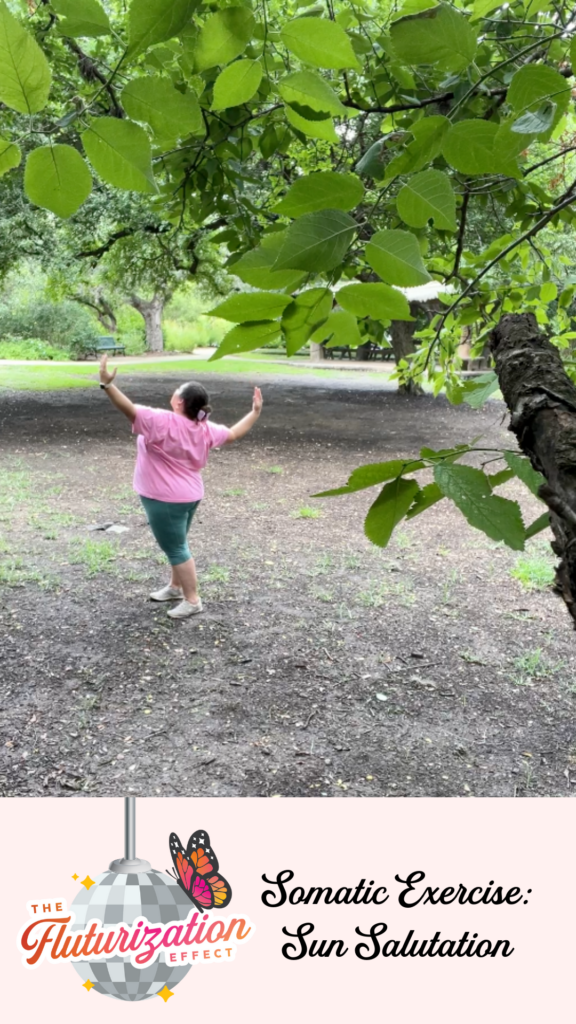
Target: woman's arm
[(114, 394), (243, 426)]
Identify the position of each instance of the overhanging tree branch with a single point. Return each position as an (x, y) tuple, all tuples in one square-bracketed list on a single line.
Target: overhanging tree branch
[(567, 199)]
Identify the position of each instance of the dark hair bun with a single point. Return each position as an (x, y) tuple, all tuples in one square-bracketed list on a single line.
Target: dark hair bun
[(195, 399)]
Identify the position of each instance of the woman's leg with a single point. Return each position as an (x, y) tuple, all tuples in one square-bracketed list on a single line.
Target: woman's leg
[(185, 577), (192, 579)]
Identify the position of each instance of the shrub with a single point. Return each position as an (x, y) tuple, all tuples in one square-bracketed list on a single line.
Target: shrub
[(182, 337), (31, 348), (64, 325)]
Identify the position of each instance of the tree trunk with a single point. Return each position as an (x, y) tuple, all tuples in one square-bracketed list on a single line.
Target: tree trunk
[(151, 311), (403, 345), (542, 403), (317, 352)]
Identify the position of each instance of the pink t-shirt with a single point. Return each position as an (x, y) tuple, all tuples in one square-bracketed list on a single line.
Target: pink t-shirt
[(172, 451)]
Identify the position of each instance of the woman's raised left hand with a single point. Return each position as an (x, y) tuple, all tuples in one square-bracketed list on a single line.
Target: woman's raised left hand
[(105, 376)]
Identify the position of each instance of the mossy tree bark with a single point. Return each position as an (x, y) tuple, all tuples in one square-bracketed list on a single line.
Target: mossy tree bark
[(542, 403)]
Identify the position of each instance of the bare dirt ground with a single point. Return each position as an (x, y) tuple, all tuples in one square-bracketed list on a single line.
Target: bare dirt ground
[(322, 665)]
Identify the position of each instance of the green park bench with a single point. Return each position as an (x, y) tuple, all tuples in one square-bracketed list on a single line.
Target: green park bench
[(381, 352), (107, 345), (341, 351)]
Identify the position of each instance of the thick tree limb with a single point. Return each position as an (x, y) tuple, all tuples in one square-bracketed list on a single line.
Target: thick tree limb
[(96, 254), (542, 403)]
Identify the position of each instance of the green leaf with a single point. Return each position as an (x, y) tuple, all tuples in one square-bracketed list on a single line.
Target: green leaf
[(10, 156), (320, 191), (533, 85), (246, 337), (120, 153), (508, 145), (428, 496), (372, 474), (484, 7), (429, 134), (373, 163), (307, 89), (497, 479), (81, 18), (341, 328), (548, 291), (440, 35), (322, 128), (251, 306), (395, 256), (378, 301), (319, 42), (224, 36), (389, 508), (25, 75), (316, 241), (154, 21), (304, 315), (428, 196), (523, 470), (542, 523), (446, 454), (237, 84), (469, 489), (170, 113), (573, 52), (255, 267), (57, 179), (478, 391), (536, 122), (469, 147)]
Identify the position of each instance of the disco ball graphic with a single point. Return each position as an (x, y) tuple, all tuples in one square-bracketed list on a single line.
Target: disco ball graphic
[(119, 897)]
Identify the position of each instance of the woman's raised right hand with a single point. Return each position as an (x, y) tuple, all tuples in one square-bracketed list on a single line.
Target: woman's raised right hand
[(257, 401), (105, 376)]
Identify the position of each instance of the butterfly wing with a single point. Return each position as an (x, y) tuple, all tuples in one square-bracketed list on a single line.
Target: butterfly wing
[(185, 871), (210, 889)]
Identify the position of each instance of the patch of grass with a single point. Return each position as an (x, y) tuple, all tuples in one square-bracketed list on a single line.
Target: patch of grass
[(306, 512), (534, 569), (403, 540), (96, 555), (275, 470), (322, 595), (352, 561), (234, 492), (16, 489), (533, 665), (324, 563), (13, 573), (378, 594), (65, 376), (216, 574)]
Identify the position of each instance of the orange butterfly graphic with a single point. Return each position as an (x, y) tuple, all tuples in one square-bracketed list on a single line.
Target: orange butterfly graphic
[(197, 872)]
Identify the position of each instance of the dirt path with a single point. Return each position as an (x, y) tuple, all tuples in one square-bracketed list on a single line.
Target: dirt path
[(322, 666)]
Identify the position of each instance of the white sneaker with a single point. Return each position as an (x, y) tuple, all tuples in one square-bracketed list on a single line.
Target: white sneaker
[(185, 609), (168, 593)]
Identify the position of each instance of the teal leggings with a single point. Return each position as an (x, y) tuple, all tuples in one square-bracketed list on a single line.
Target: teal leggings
[(170, 522)]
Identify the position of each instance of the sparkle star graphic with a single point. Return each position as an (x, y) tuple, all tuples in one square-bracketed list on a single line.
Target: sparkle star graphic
[(165, 993), (87, 881), (75, 877), (88, 985)]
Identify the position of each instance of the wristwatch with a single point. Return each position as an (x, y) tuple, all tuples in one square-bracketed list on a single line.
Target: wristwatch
[(105, 386)]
